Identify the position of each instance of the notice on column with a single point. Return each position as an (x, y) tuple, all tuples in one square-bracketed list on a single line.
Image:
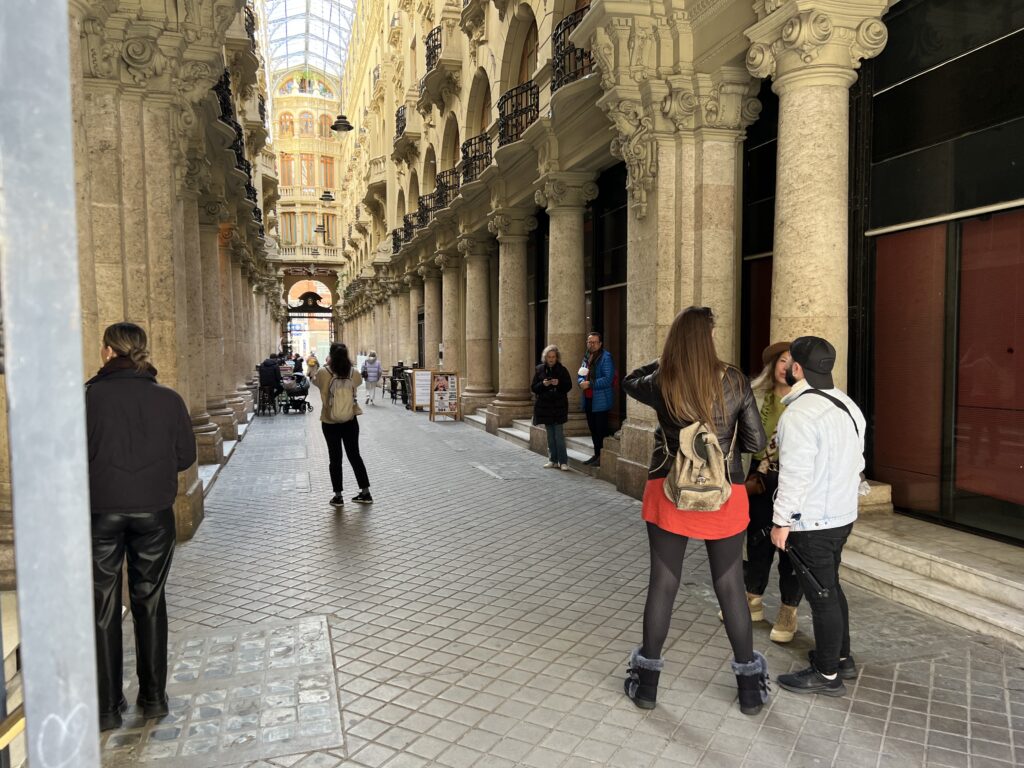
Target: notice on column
[(445, 395), (420, 389)]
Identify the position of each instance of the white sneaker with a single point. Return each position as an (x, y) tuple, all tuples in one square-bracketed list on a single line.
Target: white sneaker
[(564, 467), (550, 464)]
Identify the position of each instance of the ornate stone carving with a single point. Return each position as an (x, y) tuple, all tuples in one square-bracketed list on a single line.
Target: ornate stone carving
[(503, 225), (639, 42), (143, 59), (556, 194), (679, 106), (197, 175), (101, 54), (635, 145), (603, 51), (870, 38)]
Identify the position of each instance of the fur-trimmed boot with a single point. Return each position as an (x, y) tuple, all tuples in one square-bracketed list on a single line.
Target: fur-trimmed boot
[(752, 682), (641, 683)]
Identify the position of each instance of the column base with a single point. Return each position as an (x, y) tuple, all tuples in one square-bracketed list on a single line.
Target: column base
[(209, 441), (188, 505), (236, 403), (633, 459), (474, 401), (577, 425), (503, 411), (246, 392), (223, 416)]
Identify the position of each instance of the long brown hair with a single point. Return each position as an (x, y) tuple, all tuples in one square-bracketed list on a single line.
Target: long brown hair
[(690, 373), (129, 341)]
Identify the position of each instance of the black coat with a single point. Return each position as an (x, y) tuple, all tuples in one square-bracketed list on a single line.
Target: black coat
[(741, 418), (270, 373), (552, 404), (139, 437)]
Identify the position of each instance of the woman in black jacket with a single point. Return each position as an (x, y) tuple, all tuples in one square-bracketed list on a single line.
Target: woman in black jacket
[(686, 385), (140, 437), (552, 384)]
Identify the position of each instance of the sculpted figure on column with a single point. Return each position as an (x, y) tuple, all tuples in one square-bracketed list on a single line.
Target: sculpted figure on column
[(811, 50)]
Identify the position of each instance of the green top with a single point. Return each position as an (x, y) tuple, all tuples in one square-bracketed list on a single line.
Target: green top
[(771, 412)]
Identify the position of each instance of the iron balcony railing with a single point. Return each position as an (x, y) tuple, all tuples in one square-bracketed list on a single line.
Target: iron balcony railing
[(517, 110), (570, 63), (408, 226), (261, 104), (399, 122), (476, 155), (428, 205), (250, 27), (448, 183), (396, 239), (433, 47)]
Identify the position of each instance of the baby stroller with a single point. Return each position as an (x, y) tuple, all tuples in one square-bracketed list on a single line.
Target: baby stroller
[(296, 389)]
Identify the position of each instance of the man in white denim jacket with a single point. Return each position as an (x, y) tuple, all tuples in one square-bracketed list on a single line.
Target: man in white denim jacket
[(821, 456)]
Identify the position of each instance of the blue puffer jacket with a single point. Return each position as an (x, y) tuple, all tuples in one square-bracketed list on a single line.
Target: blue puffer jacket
[(601, 382)]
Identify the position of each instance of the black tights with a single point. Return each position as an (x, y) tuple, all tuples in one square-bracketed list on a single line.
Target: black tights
[(725, 557)]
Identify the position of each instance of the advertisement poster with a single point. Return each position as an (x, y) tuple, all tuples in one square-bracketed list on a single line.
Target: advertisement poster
[(444, 395), (420, 388)]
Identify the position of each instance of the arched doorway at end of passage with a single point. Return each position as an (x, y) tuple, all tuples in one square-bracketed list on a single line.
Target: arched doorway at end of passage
[(310, 327)]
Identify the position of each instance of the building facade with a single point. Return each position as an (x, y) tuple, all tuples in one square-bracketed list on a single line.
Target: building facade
[(524, 172)]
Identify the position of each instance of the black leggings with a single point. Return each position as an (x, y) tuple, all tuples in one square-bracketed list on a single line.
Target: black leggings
[(725, 557), (341, 439)]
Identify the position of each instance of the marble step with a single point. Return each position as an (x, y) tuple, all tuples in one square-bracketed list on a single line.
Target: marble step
[(943, 601), (476, 420), (967, 571)]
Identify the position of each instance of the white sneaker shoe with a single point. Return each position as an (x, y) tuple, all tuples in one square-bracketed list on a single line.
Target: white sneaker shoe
[(550, 464), (564, 467)]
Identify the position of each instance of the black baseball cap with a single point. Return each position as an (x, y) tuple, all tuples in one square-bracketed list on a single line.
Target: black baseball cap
[(817, 357)]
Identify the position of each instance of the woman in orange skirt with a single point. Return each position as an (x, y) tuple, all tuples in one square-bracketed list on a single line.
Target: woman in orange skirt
[(689, 383)]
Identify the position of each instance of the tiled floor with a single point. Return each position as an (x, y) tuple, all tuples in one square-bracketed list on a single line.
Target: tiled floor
[(480, 613)]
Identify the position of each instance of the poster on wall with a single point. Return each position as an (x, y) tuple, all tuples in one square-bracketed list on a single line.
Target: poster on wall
[(444, 396), (420, 388)]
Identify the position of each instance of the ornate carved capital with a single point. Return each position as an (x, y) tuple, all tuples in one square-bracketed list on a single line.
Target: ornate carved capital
[(635, 144), (559, 192), (510, 225), (796, 38)]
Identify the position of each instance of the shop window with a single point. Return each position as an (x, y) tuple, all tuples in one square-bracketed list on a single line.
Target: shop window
[(306, 124)]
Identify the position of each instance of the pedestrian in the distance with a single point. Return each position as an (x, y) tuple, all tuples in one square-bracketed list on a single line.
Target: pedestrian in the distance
[(552, 384), (689, 385), (312, 365), (372, 370), (140, 437), (596, 378), (338, 382), (821, 456), (297, 363), (762, 480)]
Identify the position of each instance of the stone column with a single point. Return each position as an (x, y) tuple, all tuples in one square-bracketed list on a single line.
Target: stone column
[(451, 312), (393, 325), (479, 387), (229, 317), (402, 323), (210, 442), (811, 56), (565, 196), (514, 399), (431, 314), (220, 412), (415, 301), (243, 331)]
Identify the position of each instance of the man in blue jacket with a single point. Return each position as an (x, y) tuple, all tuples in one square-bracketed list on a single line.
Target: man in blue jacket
[(596, 378)]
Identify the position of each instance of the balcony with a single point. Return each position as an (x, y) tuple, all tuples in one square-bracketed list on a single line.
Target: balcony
[(396, 240), (428, 207), (362, 220), (448, 183), (300, 193), (405, 144), (570, 63), (293, 252), (444, 64), (476, 155), (399, 123), (518, 109)]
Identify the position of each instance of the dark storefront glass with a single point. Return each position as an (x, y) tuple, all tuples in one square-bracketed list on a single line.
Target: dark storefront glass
[(537, 284)]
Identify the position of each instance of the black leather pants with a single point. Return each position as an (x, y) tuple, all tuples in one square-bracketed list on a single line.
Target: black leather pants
[(147, 539)]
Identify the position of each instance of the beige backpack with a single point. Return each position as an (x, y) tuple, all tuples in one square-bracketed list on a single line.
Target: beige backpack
[(699, 477), (341, 400)]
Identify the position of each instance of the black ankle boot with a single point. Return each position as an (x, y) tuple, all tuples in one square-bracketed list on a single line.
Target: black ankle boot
[(752, 682), (641, 683)]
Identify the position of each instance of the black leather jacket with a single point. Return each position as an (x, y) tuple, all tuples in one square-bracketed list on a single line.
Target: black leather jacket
[(741, 417)]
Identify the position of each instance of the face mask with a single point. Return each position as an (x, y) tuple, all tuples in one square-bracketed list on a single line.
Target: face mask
[(790, 378)]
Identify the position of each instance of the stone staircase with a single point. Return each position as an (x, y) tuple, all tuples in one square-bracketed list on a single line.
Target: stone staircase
[(522, 432), (967, 580)]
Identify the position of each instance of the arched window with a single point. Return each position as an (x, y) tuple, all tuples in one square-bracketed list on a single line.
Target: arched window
[(528, 62), (325, 126), (306, 124), (286, 125)]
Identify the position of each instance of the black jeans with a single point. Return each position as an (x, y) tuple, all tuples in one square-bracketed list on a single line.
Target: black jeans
[(761, 552), (597, 422), (342, 439), (822, 550), (147, 538)]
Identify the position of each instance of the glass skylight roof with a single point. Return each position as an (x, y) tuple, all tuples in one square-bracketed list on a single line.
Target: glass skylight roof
[(310, 33)]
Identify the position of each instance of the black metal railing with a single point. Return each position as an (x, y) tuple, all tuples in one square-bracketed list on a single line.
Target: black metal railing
[(408, 226), (250, 27), (448, 183), (261, 104), (257, 213), (396, 240), (570, 63), (476, 155), (433, 47), (428, 206), (517, 110), (250, 192), (399, 122)]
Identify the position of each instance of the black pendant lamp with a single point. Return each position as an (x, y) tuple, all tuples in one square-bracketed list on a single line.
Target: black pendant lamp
[(341, 124)]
